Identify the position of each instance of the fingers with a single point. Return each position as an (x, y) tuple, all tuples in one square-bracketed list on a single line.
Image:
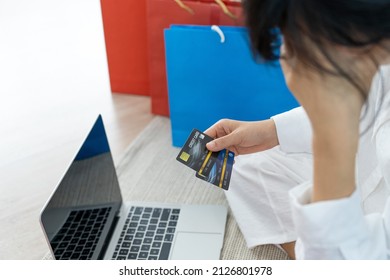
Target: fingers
[(222, 143), (222, 132), (217, 130), (211, 131), (212, 146)]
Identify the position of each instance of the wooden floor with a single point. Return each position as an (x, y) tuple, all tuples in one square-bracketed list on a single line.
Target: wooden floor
[(53, 84)]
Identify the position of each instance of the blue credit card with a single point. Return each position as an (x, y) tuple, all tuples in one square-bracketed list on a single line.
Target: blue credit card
[(221, 171)]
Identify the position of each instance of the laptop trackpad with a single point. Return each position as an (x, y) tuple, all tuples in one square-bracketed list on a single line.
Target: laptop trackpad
[(197, 246)]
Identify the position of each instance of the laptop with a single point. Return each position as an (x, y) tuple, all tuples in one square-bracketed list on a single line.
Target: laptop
[(86, 218)]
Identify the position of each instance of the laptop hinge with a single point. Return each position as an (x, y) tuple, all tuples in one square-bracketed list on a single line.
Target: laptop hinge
[(108, 237)]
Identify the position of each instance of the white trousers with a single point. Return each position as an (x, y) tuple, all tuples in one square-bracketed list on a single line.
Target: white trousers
[(258, 194)]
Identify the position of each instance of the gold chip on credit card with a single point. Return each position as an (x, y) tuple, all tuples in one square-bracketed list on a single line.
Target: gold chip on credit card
[(184, 156)]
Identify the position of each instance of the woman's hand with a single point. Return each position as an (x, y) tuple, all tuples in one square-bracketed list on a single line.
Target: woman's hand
[(242, 137)]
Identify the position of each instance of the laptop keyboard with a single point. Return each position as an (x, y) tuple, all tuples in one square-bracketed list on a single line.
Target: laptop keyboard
[(147, 234), (80, 233)]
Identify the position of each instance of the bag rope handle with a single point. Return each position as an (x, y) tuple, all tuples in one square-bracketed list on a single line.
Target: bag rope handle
[(225, 9), (217, 29), (184, 6)]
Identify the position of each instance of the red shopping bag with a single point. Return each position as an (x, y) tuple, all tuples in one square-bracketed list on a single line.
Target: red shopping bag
[(124, 24), (160, 15)]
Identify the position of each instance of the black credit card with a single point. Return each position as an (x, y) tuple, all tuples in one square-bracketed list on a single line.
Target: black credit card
[(195, 155), (213, 167)]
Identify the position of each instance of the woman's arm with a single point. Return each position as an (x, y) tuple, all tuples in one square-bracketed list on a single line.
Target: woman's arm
[(338, 228)]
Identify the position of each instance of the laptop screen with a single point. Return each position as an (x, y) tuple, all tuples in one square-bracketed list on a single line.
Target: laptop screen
[(80, 214)]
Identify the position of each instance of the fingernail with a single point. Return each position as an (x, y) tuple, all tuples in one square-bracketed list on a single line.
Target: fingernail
[(210, 145)]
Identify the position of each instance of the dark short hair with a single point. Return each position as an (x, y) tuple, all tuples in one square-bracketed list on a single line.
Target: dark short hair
[(348, 23)]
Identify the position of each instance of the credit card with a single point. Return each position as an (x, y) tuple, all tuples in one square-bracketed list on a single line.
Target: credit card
[(213, 167), (221, 171), (195, 155)]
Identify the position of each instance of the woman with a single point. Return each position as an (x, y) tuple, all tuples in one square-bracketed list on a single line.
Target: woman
[(316, 180)]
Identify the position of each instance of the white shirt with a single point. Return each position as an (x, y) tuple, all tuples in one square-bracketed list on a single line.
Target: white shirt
[(356, 227)]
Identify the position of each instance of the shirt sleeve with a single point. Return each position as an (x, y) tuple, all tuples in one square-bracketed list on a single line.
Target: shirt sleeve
[(383, 155), (338, 229), (294, 131)]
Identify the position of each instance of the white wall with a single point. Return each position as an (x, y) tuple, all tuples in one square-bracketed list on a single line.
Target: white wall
[(53, 83)]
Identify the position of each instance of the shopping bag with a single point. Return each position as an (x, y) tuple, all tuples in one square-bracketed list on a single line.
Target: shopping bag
[(160, 15), (124, 23), (213, 75)]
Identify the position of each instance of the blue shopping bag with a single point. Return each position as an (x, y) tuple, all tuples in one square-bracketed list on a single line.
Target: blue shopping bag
[(212, 74)]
